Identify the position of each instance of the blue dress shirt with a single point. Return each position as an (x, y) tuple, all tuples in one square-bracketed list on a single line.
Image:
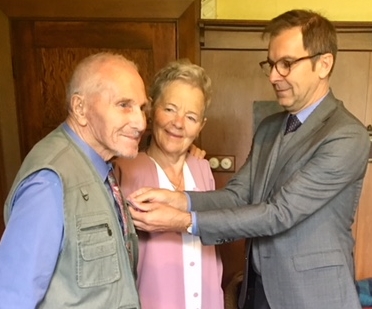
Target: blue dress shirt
[(33, 238)]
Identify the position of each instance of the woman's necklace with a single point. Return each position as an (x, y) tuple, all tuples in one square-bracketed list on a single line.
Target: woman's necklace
[(180, 183)]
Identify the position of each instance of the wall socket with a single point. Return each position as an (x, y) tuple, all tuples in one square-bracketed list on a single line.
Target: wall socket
[(221, 163)]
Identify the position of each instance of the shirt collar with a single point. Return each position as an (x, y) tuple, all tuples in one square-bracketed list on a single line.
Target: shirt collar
[(302, 115), (101, 166)]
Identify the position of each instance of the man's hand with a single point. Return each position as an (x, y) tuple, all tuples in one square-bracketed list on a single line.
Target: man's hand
[(145, 196), (158, 217)]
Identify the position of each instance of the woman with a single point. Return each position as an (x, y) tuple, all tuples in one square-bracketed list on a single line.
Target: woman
[(175, 271)]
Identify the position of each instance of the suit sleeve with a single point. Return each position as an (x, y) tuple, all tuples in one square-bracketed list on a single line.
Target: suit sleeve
[(331, 173)]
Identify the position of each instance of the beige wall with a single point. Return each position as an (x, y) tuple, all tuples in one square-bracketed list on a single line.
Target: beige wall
[(8, 119), (336, 10)]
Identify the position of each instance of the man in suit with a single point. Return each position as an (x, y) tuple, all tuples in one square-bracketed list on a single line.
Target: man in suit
[(297, 193)]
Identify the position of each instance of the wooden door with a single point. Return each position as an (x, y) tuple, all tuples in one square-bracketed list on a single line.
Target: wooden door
[(45, 53), (2, 187)]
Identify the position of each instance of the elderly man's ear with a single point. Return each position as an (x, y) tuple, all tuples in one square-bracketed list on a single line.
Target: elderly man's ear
[(78, 108)]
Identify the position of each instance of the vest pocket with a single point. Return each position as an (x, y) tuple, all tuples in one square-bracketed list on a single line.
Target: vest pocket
[(97, 262)]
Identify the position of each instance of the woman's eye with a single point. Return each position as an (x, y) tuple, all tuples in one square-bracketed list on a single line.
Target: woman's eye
[(168, 109), (191, 118)]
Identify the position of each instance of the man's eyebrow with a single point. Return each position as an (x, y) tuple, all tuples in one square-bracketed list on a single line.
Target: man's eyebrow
[(286, 57)]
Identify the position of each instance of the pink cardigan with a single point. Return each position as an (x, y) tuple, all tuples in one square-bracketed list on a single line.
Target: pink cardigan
[(160, 266)]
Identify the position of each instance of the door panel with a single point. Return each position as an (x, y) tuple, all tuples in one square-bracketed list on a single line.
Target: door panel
[(350, 82), (363, 230), (50, 51), (237, 82)]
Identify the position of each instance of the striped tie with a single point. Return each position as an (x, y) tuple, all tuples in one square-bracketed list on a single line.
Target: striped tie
[(124, 213)]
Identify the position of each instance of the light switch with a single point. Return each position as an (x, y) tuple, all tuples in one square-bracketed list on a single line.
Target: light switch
[(226, 163), (221, 163), (214, 163)]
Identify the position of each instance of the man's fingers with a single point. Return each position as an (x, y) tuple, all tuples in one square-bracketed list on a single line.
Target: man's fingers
[(136, 194)]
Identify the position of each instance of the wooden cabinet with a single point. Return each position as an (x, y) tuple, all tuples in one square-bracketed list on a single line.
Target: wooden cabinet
[(230, 52)]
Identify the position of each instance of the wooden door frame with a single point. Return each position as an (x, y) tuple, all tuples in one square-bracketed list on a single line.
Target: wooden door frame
[(2, 187)]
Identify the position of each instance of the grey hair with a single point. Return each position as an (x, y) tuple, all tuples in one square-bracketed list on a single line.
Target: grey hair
[(87, 76), (182, 70)]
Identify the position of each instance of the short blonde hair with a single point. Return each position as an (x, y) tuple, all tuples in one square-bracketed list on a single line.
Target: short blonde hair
[(182, 70)]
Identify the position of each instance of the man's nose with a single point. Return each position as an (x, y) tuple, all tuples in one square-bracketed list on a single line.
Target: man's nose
[(140, 119), (274, 75)]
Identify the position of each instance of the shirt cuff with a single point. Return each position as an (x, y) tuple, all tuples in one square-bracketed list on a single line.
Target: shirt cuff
[(194, 220), (188, 201)]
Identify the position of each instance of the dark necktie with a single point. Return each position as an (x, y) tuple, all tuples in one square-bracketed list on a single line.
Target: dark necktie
[(292, 124)]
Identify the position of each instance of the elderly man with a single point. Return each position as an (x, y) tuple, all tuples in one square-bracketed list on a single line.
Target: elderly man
[(69, 240)]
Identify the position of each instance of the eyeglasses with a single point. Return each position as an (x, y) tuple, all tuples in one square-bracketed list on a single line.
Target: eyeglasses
[(282, 66)]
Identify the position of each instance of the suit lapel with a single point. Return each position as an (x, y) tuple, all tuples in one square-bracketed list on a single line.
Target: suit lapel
[(267, 141), (313, 124)]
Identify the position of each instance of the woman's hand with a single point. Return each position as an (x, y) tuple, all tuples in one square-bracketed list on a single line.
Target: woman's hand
[(197, 152)]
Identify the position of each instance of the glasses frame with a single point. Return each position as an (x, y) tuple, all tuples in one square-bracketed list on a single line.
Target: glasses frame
[(290, 64)]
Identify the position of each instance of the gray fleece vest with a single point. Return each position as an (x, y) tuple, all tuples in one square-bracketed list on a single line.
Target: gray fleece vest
[(93, 269)]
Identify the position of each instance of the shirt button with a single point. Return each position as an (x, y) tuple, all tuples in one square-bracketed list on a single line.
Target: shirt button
[(196, 294), (192, 263)]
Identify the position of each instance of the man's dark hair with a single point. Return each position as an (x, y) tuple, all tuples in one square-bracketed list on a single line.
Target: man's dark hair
[(318, 33)]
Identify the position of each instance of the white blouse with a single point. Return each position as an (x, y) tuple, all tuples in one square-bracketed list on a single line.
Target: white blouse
[(192, 261)]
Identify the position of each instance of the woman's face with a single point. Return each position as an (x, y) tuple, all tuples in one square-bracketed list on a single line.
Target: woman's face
[(178, 117)]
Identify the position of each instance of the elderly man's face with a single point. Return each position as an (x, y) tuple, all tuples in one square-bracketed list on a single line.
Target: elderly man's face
[(116, 116)]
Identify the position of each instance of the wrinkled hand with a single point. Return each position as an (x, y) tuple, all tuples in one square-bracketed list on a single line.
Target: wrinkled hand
[(147, 195), (197, 152), (158, 217)]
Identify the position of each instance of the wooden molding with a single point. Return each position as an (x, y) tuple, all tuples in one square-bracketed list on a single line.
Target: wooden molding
[(246, 35), (72, 9)]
